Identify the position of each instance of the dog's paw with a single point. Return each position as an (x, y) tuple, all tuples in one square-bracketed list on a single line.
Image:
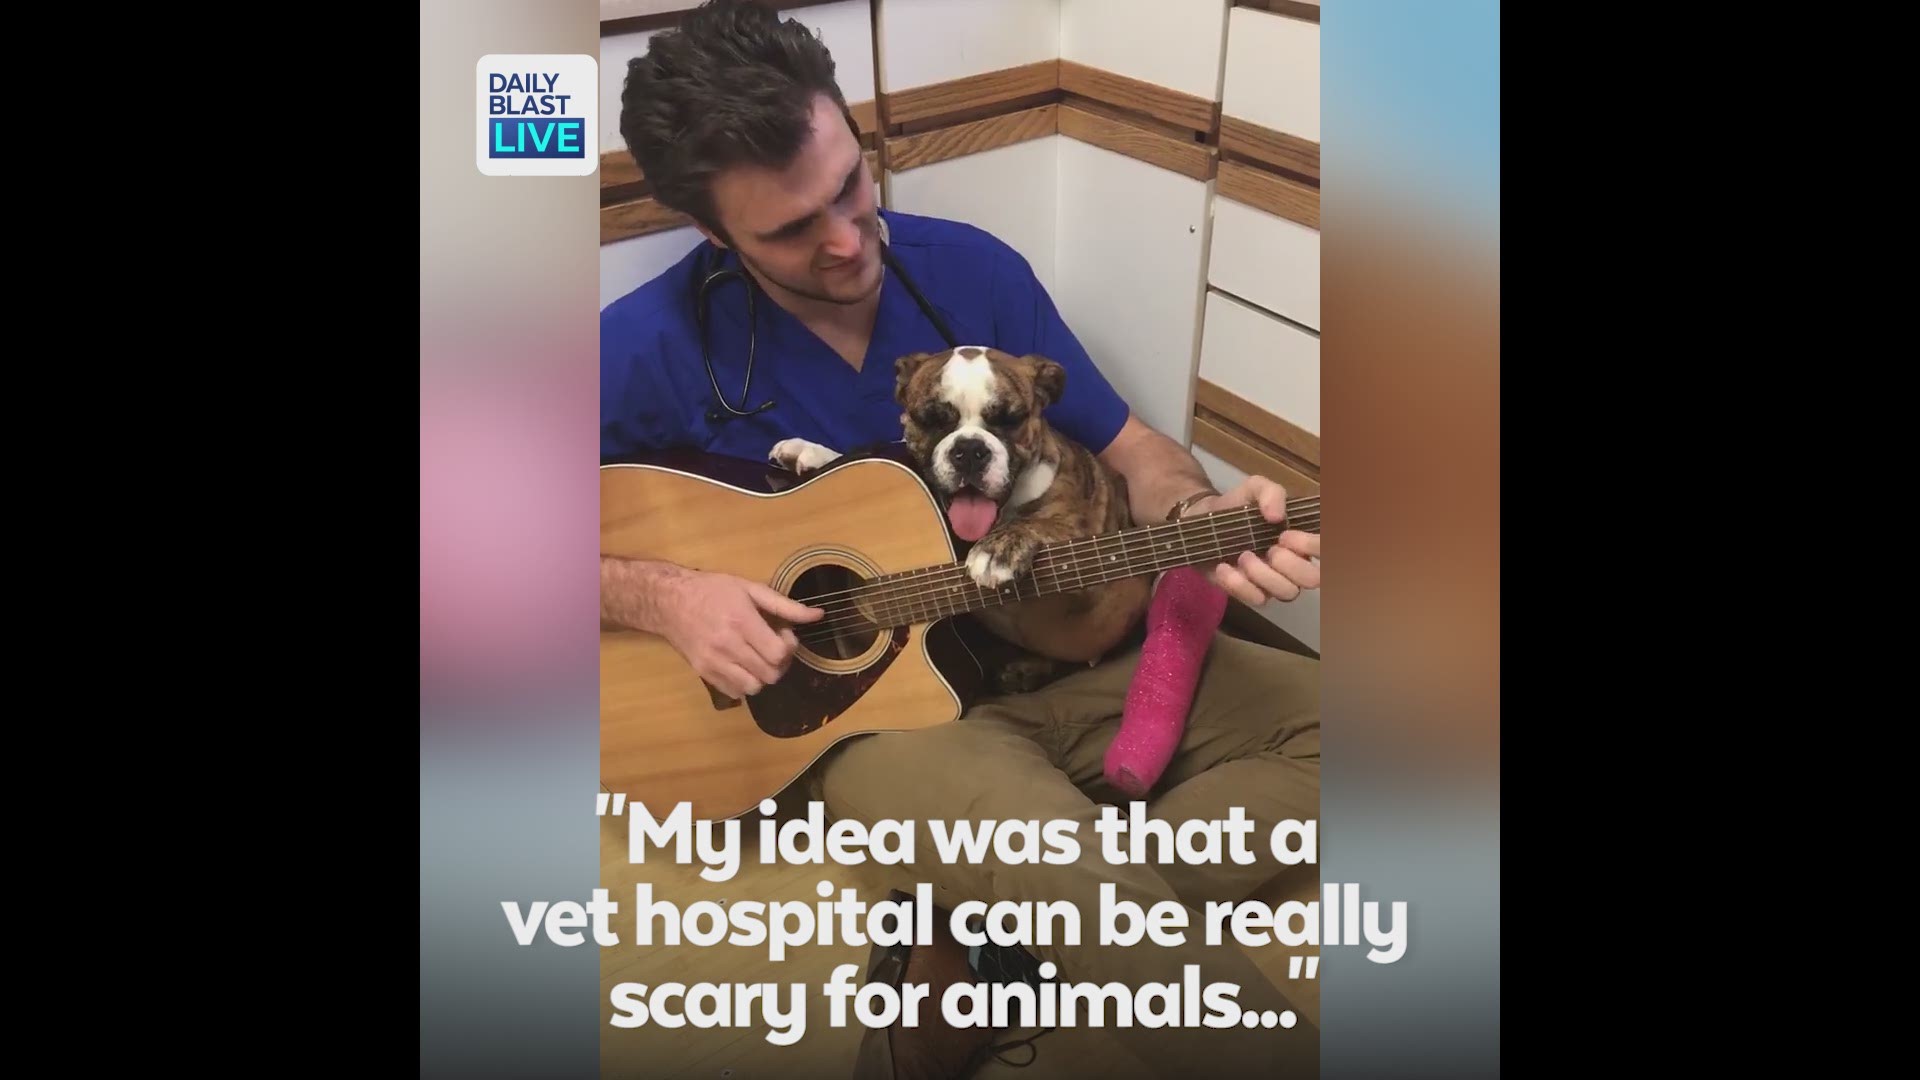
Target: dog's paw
[(799, 455), (1000, 557)]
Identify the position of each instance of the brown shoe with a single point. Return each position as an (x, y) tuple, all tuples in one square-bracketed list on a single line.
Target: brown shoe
[(934, 1050)]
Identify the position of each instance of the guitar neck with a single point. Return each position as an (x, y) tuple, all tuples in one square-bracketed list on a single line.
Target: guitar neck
[(939, 591)]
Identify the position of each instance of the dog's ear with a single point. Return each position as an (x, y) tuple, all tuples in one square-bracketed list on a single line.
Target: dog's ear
[(1049, 380), (903, 372)]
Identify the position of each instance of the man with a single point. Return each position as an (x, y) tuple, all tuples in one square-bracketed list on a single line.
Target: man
[(736, 120)]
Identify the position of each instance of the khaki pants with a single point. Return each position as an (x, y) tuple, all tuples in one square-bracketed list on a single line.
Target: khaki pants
[(1252, 741)]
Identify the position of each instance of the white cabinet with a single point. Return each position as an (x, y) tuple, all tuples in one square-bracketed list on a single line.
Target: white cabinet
[(1130, 258), (1008, 191), (1267, 259), (1273, 72), (1265, 361)]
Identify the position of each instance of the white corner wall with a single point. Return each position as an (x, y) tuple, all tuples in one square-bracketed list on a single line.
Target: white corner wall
[(1130, 255), (923, 42), (1010, 191)]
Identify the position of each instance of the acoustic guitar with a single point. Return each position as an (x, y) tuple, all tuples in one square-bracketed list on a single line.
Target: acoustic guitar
[(865, 540)]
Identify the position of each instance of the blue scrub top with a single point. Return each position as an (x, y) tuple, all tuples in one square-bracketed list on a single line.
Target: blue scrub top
[(655, 393)]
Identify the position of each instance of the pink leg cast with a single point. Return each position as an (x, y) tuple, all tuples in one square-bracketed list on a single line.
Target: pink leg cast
[(1185, 612)]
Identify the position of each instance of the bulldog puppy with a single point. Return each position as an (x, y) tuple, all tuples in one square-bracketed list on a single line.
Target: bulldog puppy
[(1010, 485)]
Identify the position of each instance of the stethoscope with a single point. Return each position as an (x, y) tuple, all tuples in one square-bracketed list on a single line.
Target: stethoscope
[(721, 277)]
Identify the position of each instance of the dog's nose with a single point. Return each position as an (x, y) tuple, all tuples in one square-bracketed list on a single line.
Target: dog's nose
[(969, 454)]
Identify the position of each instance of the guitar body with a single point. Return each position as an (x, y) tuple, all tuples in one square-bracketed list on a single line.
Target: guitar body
[(665, 736)]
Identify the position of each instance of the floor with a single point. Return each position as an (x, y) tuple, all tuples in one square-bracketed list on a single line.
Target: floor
[(743, 1052)]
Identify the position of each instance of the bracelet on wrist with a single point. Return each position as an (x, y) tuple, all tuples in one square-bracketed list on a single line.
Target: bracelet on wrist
[(1180, 508)]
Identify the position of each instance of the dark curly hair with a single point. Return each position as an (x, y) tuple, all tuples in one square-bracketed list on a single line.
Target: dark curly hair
[(732, 84)]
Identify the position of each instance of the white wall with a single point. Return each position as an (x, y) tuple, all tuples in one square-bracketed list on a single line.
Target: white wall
[(627, 264), (923, 42), (1130, 256), (1172, 44), (1010, 191)]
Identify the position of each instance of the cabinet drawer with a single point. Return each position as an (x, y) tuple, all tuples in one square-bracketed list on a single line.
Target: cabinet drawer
[(1262, 360), (1266, 259), (1273, 72)]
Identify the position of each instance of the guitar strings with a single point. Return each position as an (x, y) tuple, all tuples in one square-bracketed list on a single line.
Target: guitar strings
[(893, 589), (911, 593), (913, 611), (913, 578), (900, 603)]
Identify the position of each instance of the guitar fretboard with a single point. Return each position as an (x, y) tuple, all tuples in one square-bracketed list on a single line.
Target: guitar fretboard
[(935, 592)]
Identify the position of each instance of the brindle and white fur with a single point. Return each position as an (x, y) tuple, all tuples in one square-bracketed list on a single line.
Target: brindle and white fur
[(973, 418)]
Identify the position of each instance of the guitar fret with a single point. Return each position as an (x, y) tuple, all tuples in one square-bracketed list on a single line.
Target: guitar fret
[(896, 597), (908, 603)]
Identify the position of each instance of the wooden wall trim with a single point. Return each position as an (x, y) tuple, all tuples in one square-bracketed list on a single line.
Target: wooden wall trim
[(1299, 9), (1230, 410), (624, 221), (1125, 92), (1267, 146), (1251, 458), (866, 115), (1185, 158), (1271, 192), (618, 169), (913, 151), (644, 214), (971, 92), (1085, 103)]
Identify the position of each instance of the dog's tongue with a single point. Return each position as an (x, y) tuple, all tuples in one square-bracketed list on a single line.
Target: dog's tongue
[(971, 514)]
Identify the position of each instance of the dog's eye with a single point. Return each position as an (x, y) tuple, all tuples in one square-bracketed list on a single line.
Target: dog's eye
[(935, 415), (1007, 417)]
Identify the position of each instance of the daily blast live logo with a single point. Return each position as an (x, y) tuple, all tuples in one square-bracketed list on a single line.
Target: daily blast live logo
[(538, 115)]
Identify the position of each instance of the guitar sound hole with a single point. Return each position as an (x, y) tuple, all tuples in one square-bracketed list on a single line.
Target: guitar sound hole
[(842, 633)]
